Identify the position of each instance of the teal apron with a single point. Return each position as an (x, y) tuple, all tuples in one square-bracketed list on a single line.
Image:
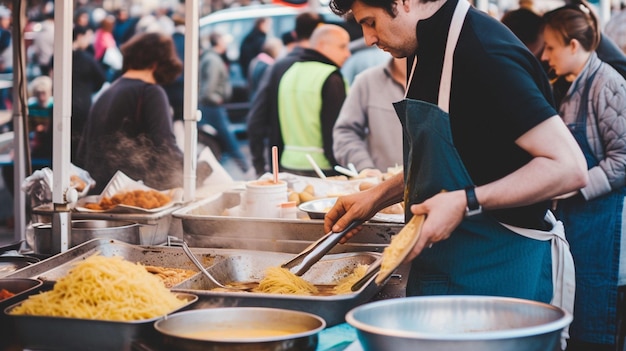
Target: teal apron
[(595, 237), (482, 256)]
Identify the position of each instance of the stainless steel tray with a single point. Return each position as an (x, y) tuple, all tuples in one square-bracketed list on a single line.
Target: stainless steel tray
[(57, 333), (246, 266), (49, 270), (22, 288), (157, 225), (204, 225), (227, 265)]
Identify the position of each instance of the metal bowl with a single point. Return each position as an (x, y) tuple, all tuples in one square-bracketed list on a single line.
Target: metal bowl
[(241, 329), (316, 209), (470, 323), (84, 230)]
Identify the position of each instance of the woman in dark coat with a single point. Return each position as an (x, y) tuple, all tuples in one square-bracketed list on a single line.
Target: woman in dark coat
[(130, 126)]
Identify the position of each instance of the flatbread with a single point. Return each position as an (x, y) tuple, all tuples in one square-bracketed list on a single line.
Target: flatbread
[(399, 248)]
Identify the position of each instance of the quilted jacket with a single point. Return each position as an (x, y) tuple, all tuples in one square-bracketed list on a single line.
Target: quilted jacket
[(606, 124)]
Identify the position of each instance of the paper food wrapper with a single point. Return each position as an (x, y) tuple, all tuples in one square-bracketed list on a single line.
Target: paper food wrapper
[(121, 183)]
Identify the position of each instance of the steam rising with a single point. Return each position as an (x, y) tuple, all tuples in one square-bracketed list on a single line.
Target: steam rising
[(158, 166)]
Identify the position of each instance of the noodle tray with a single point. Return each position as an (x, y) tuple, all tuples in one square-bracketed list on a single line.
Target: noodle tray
[(57, 266), (250, 266), (58, 333), (205, 224)]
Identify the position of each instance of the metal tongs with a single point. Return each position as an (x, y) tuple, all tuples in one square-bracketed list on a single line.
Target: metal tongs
[(301, 263), (198, 264)]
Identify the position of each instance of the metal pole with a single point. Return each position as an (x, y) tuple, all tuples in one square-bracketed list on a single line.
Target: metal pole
[(190, 107), (61, 122), (19, 117)]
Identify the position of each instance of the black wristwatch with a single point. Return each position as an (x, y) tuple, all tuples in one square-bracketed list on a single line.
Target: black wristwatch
[(473, 207)]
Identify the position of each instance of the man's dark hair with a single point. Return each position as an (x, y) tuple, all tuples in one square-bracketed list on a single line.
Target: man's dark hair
[(288, 37), (144, 50), (342, 7), (524, 23), (306, 23), (214, 38), (79, 30)]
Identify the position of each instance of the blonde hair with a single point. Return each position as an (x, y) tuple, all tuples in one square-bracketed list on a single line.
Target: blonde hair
[(40, 83)]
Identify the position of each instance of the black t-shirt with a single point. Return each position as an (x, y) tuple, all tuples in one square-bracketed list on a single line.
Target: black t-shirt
[(499, 92)]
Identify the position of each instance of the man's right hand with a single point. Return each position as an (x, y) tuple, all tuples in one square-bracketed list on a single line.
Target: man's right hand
[(348, 208), (363, 205)]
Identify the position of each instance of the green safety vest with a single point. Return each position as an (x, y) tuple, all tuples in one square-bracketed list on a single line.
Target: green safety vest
[(299, 109)]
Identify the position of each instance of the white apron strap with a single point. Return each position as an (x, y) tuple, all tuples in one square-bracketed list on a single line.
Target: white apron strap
[(453, 37), (446, 75), (563, 273)]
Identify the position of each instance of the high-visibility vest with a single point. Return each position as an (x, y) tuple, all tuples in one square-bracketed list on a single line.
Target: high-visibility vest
[(299, 110)]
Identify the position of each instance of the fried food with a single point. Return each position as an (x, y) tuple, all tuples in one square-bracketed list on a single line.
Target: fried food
[(147, 199), (77, 183)]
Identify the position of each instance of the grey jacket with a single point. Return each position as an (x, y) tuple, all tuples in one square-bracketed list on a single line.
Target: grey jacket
[(606, 124), (215, 86), (368, 132)]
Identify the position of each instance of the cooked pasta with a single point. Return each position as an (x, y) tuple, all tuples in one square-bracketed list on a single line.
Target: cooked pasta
[(344, 286), (170, 276), (104, 288), (279, 280)]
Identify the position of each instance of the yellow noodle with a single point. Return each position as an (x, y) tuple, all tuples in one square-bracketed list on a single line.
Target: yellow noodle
[(344, 286), (104, 288), (279, 280), (401, 244), (393, 253)]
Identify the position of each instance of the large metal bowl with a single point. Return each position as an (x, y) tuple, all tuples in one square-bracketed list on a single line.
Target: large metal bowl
[(241, 329), (84, 230), (469, 323)]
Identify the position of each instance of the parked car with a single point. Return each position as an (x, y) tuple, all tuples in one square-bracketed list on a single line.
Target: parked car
[(236, 23)]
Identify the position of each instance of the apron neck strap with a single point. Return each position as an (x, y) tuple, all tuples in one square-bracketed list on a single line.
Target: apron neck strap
[(458, 18)]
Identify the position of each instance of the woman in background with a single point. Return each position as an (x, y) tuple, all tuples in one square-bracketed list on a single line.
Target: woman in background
[(594, 108), (130, 125), (104, 41)]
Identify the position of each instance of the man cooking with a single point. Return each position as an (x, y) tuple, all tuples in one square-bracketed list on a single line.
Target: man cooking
[(484, 152)]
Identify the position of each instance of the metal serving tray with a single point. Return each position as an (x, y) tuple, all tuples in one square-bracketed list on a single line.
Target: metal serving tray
[(246, 266), (227, 265), (155, 230), (204, 225), (69, 334), (51, 269)]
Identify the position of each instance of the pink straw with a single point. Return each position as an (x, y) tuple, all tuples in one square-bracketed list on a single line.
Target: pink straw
[(275, 163)]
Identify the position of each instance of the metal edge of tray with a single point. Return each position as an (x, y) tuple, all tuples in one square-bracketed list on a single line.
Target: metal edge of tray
[(59, 264), (46, 210), (277, 245), (59, 333), (215, 225)]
